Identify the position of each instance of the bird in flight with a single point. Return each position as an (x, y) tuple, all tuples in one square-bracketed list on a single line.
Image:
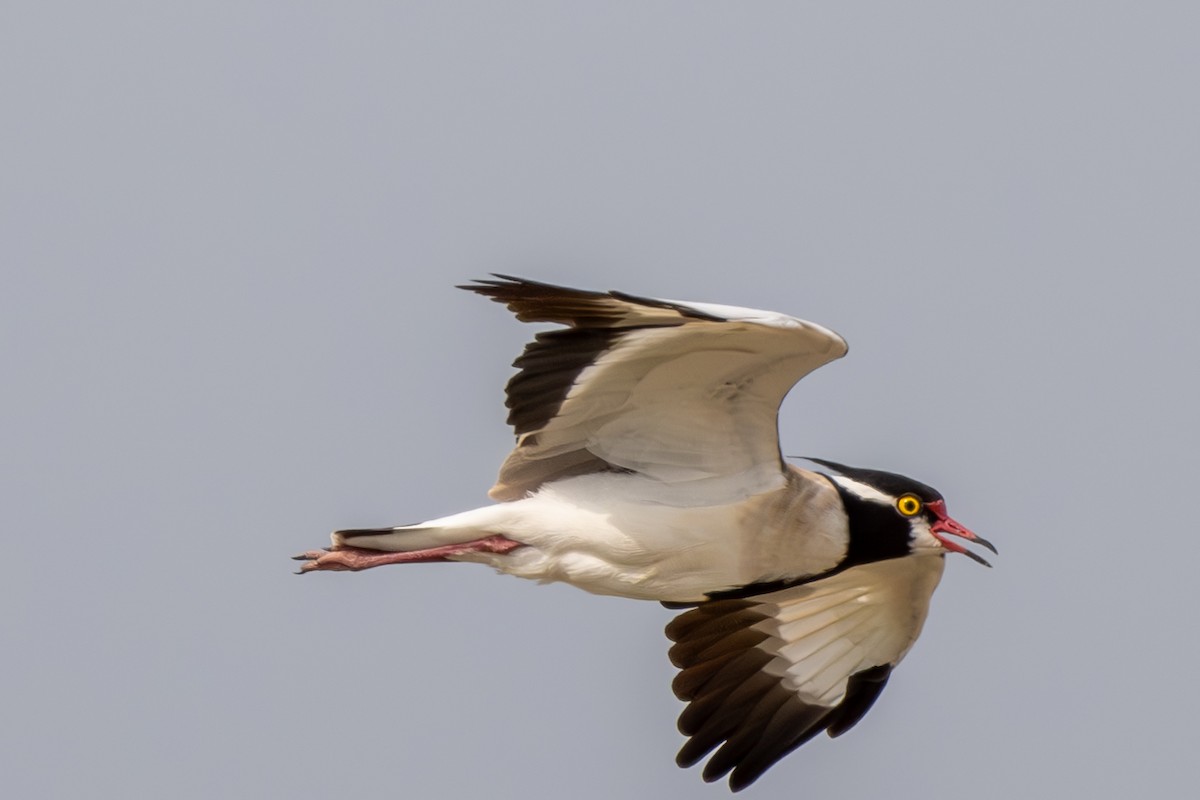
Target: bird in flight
[(647, 465)]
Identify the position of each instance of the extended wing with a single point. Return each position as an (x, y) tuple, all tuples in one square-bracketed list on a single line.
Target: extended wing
[(764, 674), (679, 392)]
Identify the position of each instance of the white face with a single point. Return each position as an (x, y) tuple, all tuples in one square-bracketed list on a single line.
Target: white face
[(922, 538)]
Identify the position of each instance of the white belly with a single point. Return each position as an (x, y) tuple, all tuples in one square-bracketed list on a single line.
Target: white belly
[(615, 535)]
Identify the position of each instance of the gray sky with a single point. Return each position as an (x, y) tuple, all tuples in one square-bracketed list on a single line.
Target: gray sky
[(230, 235)]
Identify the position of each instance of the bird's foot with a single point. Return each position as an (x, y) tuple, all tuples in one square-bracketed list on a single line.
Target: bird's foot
[(342, 559)]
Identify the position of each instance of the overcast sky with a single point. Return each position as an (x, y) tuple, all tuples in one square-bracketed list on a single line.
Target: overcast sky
[(229, 234)]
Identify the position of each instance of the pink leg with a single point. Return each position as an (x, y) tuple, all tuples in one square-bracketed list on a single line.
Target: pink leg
[(358, 558)]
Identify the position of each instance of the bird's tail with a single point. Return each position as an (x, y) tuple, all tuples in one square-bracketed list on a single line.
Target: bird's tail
[(458, 528), (392, 539), (470, 536)]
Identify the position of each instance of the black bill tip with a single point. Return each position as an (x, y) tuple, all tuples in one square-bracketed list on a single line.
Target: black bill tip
[(978, 559), (979, 540)]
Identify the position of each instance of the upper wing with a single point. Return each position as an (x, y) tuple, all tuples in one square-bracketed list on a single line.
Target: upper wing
[(765, 674), (678, 392)]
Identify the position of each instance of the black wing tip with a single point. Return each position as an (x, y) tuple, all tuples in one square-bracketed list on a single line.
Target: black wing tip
[(504, 288), (738, 709), (496, 279), (495, 285), (741, 778), (503, 283), (538, 301), (862, 691)]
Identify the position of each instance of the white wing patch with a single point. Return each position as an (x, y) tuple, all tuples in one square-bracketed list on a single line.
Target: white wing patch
[(821, 633)]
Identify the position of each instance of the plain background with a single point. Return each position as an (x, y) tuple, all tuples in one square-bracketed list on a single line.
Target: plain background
[(230, 233)]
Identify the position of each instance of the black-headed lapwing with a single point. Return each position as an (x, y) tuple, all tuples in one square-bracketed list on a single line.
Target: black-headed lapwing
[(647, 465)]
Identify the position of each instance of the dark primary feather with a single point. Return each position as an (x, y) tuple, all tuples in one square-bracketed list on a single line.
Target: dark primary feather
[(734, 707), (864, 689), (551, 363), (548, 369), (533, 301)]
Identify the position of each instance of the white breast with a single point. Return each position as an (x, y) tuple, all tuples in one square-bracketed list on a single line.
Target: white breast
[(615, 534)]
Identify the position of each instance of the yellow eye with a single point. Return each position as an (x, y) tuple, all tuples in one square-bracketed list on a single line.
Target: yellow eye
[(908, 505)]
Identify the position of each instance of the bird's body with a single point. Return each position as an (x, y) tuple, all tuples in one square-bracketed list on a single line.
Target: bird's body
[(647, 466), (611, 533)]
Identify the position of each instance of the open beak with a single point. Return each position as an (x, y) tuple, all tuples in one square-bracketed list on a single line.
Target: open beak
[(945, 526)]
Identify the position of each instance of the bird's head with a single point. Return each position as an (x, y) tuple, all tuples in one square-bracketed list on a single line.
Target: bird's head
[(891, 515)]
